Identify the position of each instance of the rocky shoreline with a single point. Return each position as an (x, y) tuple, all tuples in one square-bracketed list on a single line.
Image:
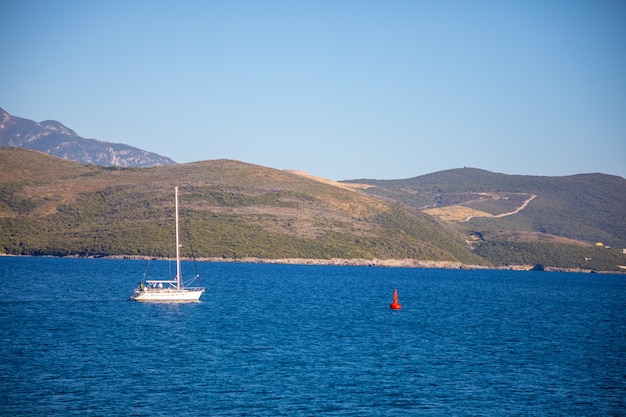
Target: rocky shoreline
[(382, 263)]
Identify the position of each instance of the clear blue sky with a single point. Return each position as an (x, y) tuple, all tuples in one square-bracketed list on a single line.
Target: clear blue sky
[(340, 89)]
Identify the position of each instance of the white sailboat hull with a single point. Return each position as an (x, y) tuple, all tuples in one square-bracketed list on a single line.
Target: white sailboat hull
[(167, 294)]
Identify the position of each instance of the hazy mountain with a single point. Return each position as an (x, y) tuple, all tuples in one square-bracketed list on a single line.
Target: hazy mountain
[(54, 138)]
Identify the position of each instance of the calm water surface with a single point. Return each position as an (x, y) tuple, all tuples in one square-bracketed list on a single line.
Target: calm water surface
[(270, 340)]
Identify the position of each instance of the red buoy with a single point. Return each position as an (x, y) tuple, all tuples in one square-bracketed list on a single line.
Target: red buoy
[(395, 305)]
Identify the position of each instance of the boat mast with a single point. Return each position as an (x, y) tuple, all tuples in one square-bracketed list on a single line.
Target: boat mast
[(177, 243)]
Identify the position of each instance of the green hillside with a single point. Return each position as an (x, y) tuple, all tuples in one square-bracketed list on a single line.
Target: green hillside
[(516, 219), (234, 210), (49, 206)]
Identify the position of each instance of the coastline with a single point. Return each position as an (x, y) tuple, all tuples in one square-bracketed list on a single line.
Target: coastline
[(379, 263)]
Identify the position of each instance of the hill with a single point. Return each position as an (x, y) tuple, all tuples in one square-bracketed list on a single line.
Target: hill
[(516, 218), (50, 206), (54, 138)]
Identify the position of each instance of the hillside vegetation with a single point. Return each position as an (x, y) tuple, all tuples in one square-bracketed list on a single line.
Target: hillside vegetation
[(516, 219), (50, 206), (233, 210)]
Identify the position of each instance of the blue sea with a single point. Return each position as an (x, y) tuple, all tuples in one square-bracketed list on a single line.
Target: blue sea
[(285, 340)]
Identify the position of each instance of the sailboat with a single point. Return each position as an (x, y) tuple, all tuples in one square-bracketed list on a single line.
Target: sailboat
[(168, 290)]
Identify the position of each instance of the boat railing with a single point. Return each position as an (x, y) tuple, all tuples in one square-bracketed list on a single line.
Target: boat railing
[(155, 282)]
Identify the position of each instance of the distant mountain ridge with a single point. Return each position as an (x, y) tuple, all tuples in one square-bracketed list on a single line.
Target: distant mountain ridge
[(464, 215), (54, 138)]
